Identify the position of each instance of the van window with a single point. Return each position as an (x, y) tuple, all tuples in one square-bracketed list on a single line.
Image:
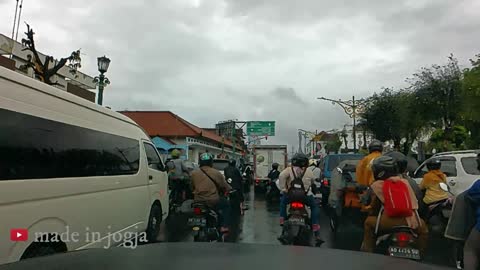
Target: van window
[(154, 161), (32, 147), (449, 168), (470, 165)]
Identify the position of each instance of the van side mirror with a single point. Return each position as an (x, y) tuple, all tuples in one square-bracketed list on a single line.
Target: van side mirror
[(161, 167), (444, 187)]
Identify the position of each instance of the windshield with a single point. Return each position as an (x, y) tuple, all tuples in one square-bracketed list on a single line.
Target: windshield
[(108, 108)]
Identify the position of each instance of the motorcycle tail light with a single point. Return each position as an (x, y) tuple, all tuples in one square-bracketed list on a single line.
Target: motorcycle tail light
[(325, 182), (257, 181), (197, 211), (296, 205), (402, 238)]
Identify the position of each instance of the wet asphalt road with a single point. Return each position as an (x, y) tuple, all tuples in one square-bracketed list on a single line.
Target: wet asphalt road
[(260, 225)]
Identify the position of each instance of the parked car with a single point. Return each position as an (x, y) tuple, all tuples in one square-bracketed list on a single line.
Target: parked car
[(460, 167), (327, 164)]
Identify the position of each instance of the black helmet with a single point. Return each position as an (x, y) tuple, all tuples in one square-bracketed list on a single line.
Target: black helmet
[(275, 166), (232, 162), (300, 160), (434, 164), (384, 167), (206, 159), (375, 145), (401, 160)]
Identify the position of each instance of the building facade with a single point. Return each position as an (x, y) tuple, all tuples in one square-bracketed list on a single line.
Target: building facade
[(169, 131)]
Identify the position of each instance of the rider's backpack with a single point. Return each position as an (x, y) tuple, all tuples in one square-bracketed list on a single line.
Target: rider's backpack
[(397, 199), (296, 191)]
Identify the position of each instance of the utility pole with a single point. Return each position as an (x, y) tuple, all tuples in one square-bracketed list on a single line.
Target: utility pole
[(352, 108)]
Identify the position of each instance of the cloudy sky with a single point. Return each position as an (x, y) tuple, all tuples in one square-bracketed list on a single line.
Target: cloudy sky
[(210, 60)]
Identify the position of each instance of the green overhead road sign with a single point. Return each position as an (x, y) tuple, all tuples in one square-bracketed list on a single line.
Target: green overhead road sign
[(261, 128)]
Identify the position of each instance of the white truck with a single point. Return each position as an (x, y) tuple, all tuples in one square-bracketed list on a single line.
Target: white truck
[(263, 158)]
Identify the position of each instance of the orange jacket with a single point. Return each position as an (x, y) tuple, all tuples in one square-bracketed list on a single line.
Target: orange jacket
[(431, 182), (364, 172)]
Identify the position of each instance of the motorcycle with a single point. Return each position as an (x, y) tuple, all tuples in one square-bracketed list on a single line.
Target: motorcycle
[(297, 229), (273, 192), (205, 223), (235, 201), (438, 216), (400, 242)]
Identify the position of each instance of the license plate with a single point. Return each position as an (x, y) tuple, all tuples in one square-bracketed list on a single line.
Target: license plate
[(296, 221), (197, 221), (404, 252)]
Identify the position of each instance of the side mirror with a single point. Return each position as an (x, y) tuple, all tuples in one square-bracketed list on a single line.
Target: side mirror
[(444, 187), (161, 167)]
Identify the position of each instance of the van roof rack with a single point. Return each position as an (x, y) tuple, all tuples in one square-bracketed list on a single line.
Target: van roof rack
[(458, 152)]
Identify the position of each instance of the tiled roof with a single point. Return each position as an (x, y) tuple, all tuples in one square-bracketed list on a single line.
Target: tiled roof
[(167, 124)]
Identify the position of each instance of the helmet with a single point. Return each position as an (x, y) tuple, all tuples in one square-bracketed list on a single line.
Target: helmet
[(232, 162), (384, 167), (375, 145), (312, 162), (300, 160), (206, 159), (175, 153), (434, 164), (275, 165), (401, 160)]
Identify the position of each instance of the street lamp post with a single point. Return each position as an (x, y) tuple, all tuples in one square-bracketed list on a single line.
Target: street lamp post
[(102, 81), (352, 108)]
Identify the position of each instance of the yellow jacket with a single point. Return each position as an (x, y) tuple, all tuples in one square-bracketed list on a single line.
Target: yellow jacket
[(431, 182), (364, 172)]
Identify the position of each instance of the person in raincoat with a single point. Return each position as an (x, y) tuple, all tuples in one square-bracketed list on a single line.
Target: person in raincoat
[(364, 171)]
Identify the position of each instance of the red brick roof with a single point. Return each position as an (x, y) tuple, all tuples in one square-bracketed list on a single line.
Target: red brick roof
[(167, 124)]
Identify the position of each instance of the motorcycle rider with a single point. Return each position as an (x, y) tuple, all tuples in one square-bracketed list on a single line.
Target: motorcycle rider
[(431, 183), (402, 164), (299, 169), (313, 166), (384, 168), (178, 176), (363, 172), (209, 186), (232, 172)]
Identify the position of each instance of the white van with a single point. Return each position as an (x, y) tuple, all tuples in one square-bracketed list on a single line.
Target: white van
[(74, 172)]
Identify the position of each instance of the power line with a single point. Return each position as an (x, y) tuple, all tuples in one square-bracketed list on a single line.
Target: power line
[(19, 16), (14, 20)]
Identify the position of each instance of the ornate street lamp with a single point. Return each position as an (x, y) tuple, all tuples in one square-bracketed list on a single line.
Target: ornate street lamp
[(352, 108), (101, 81)]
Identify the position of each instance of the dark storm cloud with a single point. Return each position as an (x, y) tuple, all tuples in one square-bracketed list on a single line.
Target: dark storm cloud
[(288, 94), (252, 59)]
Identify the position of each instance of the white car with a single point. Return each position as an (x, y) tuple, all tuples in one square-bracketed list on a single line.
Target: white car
[(460, 167)]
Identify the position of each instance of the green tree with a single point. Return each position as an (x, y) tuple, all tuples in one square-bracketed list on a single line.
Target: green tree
[(437, 91), (471, 101), (333, 145), (383, 117)]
